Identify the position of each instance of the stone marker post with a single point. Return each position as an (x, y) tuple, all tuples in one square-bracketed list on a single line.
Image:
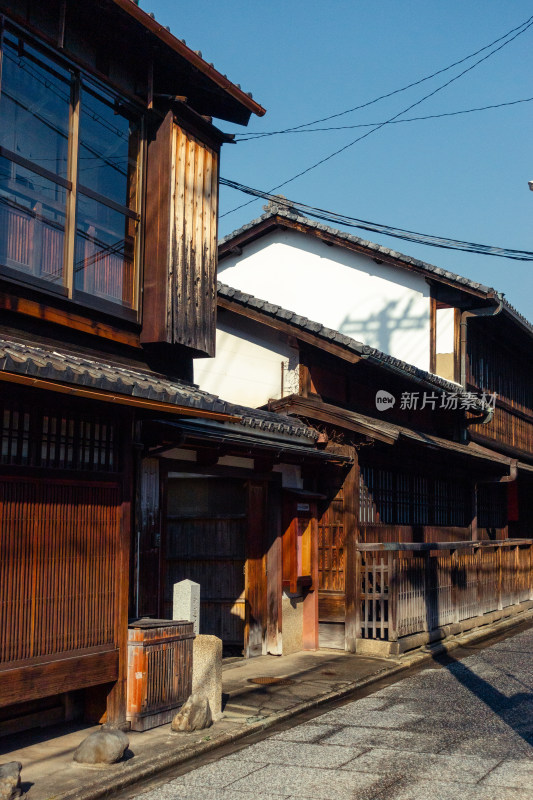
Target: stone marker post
[(186, 603)]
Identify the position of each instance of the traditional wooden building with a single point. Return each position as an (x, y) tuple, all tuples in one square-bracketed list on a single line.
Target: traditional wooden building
[(434, 463), (118, 476)]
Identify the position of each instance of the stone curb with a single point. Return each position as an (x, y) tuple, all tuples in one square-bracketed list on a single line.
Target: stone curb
[(150, 766)]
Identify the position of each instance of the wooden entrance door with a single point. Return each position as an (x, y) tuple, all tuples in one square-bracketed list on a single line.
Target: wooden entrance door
[(331, 574), (205, 541)]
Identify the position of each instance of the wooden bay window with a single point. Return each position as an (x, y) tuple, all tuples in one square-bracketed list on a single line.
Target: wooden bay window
[(69, 176)]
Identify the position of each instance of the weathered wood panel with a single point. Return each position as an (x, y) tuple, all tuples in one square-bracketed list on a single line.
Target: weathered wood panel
[(181, 240), (194, 242), (212, 553), (58, 571)]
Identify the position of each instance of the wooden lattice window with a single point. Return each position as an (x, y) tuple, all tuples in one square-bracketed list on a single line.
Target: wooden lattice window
[(396, 497), (58, 439), (492, 505)]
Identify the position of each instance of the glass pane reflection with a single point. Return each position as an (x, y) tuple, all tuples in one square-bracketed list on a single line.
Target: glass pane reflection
[(32, 222), (34, 107), (108, 151), (104, 261)]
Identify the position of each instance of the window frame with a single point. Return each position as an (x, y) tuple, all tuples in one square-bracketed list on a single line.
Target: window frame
[(108, 94)]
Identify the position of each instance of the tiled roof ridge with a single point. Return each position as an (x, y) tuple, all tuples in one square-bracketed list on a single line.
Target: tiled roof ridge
[(281, 210), (328, 334), (50, 363)]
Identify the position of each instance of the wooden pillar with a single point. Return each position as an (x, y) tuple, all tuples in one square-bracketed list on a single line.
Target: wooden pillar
[(256, 569), (352, 629), (310, 603), (116, 699), (274, 570)]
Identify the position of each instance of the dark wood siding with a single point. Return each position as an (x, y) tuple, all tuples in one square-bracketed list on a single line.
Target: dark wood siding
[(181, 237), (59, 544)]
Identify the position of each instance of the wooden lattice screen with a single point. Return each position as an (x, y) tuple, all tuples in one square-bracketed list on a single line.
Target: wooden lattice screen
[(58, 569)]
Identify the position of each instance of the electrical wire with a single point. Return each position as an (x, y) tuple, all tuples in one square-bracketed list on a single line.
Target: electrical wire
[(260, 134), (391, 119), (376, 227), (399, 121)]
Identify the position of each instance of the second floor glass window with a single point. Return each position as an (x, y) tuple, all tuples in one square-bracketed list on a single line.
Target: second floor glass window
[(69, 200)]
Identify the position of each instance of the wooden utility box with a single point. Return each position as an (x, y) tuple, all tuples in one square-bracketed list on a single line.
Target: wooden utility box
[(159, 670)]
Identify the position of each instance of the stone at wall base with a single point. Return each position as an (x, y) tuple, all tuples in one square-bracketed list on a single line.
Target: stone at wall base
[(194, 715), (106, 746), (207, 671), (10, 780)]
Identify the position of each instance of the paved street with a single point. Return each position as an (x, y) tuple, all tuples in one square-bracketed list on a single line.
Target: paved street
[(457, 730)]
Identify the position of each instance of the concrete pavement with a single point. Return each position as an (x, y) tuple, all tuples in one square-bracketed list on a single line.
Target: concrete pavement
[(457, 729)]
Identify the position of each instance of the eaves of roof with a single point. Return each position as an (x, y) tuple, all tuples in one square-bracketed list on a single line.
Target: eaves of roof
[(177, 46), (66, 372), (387, 432), (322, 333), (282, 216)]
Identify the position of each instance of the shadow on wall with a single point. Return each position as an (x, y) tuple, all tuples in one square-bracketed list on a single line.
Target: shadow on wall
[(377, 329)]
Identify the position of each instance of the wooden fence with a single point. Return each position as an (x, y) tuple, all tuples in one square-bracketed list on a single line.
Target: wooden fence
[(409, 588)]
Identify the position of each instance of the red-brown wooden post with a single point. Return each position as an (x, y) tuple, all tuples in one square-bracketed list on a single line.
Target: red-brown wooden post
[(352, 629)]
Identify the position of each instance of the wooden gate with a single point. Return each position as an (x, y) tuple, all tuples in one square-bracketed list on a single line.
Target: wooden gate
[(58, 586), (205, 541)]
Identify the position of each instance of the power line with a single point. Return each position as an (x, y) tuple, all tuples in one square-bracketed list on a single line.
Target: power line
[(260, 134), (386, 230), (378, 127), (399, 121)]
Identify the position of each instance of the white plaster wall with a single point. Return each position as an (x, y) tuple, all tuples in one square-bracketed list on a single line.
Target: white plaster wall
[(247, 366), (445, 330), (383, 306)]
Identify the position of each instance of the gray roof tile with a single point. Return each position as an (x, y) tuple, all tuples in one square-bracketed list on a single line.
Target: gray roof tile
[(282, 211), (364, 350), (48, 363)]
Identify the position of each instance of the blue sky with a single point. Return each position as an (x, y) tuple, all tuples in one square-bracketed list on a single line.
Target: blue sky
[(463, 177)]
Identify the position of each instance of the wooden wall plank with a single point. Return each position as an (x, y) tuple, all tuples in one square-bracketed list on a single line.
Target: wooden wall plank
[(155, 312), (43, 680)]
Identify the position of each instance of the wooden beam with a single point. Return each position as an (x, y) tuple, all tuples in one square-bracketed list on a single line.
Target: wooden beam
[(432, 335), (457, 345), (47, 313), (315, 409), (109, 397), (21, 684)]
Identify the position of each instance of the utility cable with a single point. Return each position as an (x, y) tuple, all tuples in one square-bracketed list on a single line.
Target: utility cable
[(376, 227), (377, 128), (260, 134), (398, 121)]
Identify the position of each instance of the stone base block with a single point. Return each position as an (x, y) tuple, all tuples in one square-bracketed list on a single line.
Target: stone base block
[(207, 671)]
